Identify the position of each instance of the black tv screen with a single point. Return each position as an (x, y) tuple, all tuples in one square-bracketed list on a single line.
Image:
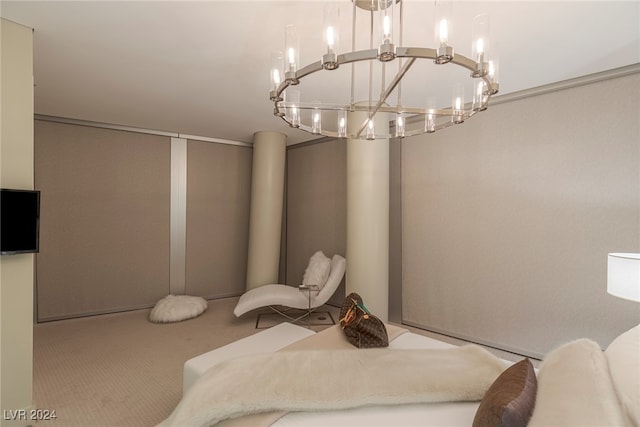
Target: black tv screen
[(20, 221)]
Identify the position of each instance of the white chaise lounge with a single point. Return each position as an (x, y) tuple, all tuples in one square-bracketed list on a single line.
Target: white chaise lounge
[(291, 296)]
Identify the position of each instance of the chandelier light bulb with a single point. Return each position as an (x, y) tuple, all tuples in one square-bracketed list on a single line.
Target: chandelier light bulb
[(492, 69), (277, 61), (480, 43), (342, 124), (492, 72), (386, 49), (370, 130), (293, 103), (330, 36), (385, 8), (430, 117), (458, 104), (331, 17), (479, 95), (295, 116), (292, 58), (331, 41), (480, 47), (443, 32), (386, 25), (316, 126), (400, 123), (292, 49), (430, 123)]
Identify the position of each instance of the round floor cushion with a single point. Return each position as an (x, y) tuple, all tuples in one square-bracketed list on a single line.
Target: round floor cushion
[(174, 308)]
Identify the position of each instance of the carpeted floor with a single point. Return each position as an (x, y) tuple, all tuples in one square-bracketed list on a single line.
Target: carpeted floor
[(122, 370)]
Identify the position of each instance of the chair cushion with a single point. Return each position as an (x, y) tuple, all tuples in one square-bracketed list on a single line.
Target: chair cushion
[(317, 271)]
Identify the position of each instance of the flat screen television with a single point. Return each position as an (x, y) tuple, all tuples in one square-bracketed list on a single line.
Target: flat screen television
[(19, 221)]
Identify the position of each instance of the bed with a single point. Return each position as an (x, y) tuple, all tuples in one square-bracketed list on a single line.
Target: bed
[(290, 376)]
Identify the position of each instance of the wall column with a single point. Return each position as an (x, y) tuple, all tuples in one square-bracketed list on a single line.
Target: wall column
[(16, 271), (368, 217), (265, 219)]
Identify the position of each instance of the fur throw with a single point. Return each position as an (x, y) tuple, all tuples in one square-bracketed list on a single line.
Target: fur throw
[(335, 379), (174, 308)]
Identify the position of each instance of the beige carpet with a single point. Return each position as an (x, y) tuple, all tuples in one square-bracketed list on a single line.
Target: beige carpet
[(122, 370)]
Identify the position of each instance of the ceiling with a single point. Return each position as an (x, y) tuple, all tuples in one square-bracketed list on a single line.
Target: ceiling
[(202, 67)]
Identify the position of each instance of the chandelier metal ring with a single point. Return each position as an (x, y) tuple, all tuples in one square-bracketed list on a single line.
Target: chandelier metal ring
[(434, 118)]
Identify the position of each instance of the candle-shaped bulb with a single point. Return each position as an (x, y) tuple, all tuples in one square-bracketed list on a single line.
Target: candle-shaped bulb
[(276, 71), (316, 125), (493, 70), (480, 46), (342, 124), (458, 103), (385, 9), (400, 125), (331, 41), (443, 31), (480, 37), (386, 22), (370, 130), (292, 48), (291, 55), (330, 27), (293, 104)]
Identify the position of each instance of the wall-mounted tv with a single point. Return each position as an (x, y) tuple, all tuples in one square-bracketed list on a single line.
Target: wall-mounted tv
[(19, 221)]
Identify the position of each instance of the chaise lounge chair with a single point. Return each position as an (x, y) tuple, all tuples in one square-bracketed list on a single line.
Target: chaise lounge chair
[(293, 296)]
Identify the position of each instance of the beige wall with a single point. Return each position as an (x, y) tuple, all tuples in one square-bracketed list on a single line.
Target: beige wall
[(105, 203), (16, 171), (316, 206), (218, 194), (106, 226), (508, 219)]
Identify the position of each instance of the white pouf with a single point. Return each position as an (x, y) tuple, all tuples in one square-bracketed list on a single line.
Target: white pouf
[(174, 308)]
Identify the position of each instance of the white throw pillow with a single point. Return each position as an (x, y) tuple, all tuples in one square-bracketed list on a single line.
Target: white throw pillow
[(623, 356), (317, 271), (575, 388)]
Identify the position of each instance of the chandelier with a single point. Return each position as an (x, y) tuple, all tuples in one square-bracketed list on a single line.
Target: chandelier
[(380, 114)]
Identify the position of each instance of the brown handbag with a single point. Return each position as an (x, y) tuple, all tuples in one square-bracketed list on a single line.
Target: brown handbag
[(362, 329)]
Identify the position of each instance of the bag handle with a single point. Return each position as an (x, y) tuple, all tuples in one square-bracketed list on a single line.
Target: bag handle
[(350, 315)]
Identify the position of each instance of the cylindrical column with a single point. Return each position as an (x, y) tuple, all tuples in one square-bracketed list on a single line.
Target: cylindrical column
[(265, 220), (368, 216)]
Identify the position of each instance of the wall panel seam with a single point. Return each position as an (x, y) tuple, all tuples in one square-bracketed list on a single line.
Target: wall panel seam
[(178, 227)]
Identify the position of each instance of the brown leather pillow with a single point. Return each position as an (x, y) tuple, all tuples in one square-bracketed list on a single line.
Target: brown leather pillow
[(510, 400)]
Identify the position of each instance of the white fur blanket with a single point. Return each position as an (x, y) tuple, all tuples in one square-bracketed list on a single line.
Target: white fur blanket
[(335, 379)]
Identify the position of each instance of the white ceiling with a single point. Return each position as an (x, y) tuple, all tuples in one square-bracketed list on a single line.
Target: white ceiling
[(201, 68)]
